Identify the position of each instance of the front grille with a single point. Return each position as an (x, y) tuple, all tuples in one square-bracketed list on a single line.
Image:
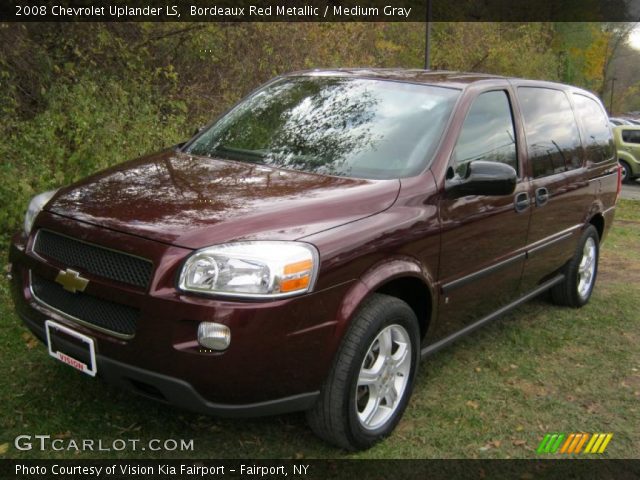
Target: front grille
[(89, 258), (109, 316)]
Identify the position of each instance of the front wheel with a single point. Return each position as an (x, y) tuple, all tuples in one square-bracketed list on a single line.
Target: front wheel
[(372, 377), (580, 273)]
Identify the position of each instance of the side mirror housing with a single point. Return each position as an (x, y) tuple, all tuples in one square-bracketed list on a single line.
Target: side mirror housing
[(483, 178)]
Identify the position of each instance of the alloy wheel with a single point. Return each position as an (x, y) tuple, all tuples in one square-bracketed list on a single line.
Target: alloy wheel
[(587, 267), (383, 377)]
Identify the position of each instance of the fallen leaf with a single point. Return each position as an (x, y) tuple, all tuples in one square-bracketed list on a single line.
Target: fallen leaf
[(519, 442), (472, 404), (513, 367), (4, 448), (478, 369), (30, 340), (519, 428), (591, 407)]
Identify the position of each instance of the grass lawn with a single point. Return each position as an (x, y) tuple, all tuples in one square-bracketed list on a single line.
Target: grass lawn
[(495, 394)]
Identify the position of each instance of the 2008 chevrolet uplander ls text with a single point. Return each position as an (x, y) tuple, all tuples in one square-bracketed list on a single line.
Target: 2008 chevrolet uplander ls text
[(307, 249)]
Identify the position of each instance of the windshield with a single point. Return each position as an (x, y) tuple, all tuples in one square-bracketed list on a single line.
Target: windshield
[(336, 126)]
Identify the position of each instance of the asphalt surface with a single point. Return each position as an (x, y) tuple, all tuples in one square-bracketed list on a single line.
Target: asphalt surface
[(631, 191)]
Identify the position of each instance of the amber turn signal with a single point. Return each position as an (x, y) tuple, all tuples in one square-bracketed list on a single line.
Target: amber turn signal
[(297, 276)]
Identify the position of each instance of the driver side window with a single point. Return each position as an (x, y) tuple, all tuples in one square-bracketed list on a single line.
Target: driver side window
[(487, 133)]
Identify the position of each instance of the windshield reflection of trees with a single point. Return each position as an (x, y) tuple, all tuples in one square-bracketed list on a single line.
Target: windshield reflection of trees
[(304, 125)]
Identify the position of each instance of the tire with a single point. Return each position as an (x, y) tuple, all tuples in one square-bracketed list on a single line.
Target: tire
[(346, 414), (580, 273), (626, 172)]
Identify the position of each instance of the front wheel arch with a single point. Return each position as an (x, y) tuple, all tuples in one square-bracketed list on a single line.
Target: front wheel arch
[(387, 277)]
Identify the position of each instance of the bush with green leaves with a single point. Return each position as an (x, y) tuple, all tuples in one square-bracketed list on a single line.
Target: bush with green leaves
[(87, 126)]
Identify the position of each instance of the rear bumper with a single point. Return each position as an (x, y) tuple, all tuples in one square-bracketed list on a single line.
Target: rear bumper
[(177, 392)]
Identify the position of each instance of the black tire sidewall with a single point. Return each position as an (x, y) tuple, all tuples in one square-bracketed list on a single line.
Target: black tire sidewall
[(402, 315)]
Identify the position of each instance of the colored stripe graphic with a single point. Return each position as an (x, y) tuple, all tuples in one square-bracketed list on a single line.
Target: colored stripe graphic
[(550, 443), (572, 443), (584, 438), (598, 443)]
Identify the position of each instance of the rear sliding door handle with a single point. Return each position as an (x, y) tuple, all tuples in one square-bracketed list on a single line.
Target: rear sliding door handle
[(542, 196), (521, 201)]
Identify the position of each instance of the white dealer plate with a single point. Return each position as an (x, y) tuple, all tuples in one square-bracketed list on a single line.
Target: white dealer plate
[(60, 337)]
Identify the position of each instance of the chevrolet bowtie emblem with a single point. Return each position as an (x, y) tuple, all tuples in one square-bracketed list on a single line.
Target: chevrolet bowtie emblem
[(71, 281)]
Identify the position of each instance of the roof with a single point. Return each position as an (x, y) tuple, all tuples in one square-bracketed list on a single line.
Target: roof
[(443, 77)]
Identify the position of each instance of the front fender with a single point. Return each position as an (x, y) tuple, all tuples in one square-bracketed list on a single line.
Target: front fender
[(371, 281)]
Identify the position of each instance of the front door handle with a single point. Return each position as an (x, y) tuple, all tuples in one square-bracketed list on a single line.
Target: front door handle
[(542, 196), (521, 201)]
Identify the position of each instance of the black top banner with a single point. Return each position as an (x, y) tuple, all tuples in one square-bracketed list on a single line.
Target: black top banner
[(319, 10)]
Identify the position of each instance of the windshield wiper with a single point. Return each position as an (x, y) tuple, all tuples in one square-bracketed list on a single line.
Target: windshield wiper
[(244, 155)]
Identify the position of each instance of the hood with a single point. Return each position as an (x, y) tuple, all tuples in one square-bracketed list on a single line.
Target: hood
[(194, 202)]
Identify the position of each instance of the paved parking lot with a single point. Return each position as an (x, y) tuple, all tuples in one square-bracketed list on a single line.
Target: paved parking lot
[(631, 191)]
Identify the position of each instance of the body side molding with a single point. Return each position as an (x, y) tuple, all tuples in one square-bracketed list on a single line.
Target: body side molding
[(429, 349)]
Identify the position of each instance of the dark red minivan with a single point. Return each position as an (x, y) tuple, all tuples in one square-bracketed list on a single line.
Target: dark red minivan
[(308, 248)]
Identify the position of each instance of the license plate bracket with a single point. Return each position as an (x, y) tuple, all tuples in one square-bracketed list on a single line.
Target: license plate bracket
[(83, 357)]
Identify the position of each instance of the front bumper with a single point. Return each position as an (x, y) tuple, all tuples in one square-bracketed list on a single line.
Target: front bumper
[(177, 392), (280, 351)]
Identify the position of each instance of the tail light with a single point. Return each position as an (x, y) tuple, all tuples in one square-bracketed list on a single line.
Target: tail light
[(619, 189)]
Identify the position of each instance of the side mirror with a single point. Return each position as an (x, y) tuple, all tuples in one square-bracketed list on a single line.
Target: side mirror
[(483, 178), (197, 131)]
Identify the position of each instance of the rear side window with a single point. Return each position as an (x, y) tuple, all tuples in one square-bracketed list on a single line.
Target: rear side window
[(631, 136), (487, 133), (553, 138), (598, 141)]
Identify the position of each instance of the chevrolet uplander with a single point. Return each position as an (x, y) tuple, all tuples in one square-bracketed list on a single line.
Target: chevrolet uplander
[(306, 250)]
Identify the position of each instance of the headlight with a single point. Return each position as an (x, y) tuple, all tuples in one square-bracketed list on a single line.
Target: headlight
[(258, 269), (36, 204)]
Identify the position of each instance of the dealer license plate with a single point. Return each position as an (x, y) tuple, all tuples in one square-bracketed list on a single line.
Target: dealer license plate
[(70, 347)]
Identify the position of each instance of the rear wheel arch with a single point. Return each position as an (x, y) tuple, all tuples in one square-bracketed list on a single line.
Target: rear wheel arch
[(597, 221)]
